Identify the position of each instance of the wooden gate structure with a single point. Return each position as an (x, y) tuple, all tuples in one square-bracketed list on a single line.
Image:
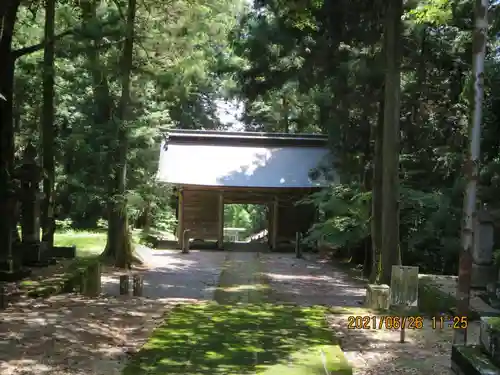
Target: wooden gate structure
[(211, 168)]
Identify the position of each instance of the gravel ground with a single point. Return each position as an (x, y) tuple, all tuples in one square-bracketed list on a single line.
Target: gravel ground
[(72, 335), (373, 351)]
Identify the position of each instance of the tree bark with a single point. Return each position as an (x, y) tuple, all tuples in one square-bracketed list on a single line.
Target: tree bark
[(8, 14), (471, 168), (376, 217), (119, 244), (47, 128), (390, 153)]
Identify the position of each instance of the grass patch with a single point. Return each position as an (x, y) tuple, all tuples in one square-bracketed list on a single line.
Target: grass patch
[(88, 244), (240, 339)]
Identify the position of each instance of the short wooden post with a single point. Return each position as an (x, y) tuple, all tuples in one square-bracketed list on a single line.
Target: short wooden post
[(124, 285), (298, 249), (93, 280), (137, 285), (185, 241)]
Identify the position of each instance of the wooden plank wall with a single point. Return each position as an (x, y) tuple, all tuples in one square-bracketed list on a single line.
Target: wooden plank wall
[(292, 219), (201, 214)]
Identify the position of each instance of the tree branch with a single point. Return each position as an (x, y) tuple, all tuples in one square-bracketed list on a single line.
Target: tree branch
[(82, 49), (38, 47)]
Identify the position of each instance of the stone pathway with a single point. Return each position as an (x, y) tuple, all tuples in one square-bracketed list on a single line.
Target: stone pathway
[(239, 280), (241, 334)]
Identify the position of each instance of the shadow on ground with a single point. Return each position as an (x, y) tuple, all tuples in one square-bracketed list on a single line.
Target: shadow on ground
[(70, 334), (73, 335), (171, 274), (309, 283), (241, 339)]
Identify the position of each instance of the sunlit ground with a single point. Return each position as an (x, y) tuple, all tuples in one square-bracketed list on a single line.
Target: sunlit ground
[(243, 339)]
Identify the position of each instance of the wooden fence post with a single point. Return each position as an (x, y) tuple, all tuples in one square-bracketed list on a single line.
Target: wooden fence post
[(138, 283), (124, 285)]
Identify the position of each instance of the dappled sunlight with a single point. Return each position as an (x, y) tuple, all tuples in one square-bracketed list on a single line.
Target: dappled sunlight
[(239, 339), (310, 282), (71, 329), (242, 288), (73, 335), (173, 275)]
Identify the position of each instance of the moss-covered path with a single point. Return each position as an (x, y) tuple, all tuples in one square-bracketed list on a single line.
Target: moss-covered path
[(241, 333)]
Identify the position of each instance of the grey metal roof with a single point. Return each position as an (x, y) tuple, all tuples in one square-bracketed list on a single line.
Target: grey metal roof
[(201, 162)]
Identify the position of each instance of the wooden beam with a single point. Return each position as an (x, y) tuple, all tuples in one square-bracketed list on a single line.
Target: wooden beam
[(180, 218), (254, 190), (274, 218), (220, 235)]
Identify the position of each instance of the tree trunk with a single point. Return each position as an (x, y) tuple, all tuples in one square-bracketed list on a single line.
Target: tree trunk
[(47, 128), (285, 109), (471, 169), (8, 14), (119, 245), (376, 217), (390, 153)]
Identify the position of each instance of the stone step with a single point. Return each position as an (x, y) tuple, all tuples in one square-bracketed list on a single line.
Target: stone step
[(471, 360)]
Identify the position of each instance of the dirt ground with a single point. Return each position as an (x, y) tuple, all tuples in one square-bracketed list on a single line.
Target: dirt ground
[(73, 335), (370, 351)]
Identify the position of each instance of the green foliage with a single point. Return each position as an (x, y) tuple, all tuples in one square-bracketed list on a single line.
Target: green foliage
[(345, 216), (177, 81), (436, 12), (429, 224), (320, 67), (252, 217), (64, 225)]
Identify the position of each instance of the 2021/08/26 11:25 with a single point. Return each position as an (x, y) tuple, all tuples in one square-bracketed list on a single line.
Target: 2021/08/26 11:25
[(454, 322)]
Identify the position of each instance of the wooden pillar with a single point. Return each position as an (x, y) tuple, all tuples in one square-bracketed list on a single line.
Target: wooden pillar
[(220, 218), (274, 218), (269, 224), (180, 219), (298, 249)]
